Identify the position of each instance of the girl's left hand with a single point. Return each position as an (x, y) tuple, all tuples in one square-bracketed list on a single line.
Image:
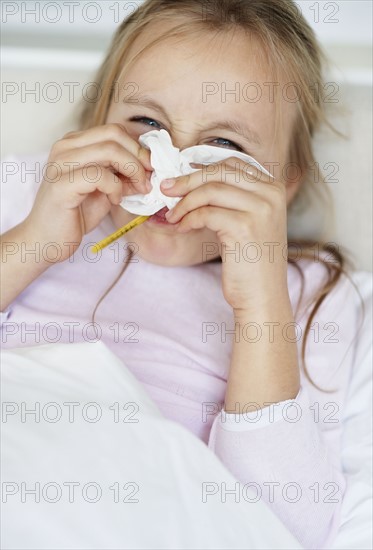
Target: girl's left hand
[(248, 211)]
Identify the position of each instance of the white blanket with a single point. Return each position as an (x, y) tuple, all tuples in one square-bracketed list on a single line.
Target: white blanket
[(163, 473), (141, 481)]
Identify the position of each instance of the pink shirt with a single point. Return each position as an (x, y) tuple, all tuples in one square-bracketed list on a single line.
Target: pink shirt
[(173, 329)]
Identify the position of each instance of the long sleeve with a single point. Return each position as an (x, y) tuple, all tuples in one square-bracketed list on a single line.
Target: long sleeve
[(287, 464), (288, 454), (356, 519), (20, 180)]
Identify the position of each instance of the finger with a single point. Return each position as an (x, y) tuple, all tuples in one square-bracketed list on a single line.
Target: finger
[(94, 207), (109, 155), (183, 185), (231, 174), (213, 218), (215, 194), (250, 169), (106, 132), (73, 191)]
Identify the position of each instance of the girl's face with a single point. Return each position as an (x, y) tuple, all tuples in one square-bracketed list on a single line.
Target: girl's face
[(197, 85)]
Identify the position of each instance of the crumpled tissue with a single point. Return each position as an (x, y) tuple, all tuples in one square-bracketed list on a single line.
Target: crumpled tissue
[(169, 162)]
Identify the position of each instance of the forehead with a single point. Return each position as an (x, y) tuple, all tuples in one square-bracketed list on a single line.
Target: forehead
[(210, 75), (191, 59)]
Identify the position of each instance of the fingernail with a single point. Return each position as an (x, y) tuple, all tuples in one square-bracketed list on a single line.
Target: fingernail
[(167, 184)]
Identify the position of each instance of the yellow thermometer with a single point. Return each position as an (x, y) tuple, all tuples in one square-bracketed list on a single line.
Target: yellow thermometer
[(114, 236)]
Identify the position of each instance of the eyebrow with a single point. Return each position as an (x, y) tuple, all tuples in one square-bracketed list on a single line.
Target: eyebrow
[(244, 131)]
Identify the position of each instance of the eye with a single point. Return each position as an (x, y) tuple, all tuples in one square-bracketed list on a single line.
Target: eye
[(231, 144), (144, 120), (148, 121)]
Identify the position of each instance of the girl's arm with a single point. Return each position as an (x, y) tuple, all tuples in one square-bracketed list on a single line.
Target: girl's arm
[(20, 263), (289, 457), (71, 205), (288, 454), (264, 369)]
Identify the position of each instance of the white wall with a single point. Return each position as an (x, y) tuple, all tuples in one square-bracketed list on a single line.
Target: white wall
[(338, 21), (82, 30)]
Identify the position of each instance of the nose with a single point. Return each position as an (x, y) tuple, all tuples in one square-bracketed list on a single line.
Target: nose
[(183, 139)]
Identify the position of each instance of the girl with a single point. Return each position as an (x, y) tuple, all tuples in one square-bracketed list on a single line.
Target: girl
[(215, 311)]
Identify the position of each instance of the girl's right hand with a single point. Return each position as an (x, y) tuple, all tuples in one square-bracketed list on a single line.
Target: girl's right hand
[(74, 197)]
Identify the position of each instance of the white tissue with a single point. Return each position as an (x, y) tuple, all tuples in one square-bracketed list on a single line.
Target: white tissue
[(169, 162)]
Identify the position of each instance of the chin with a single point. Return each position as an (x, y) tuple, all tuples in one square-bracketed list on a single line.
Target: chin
[(160, 246)]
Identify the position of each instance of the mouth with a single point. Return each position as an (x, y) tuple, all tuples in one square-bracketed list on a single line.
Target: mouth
[(160, 218)]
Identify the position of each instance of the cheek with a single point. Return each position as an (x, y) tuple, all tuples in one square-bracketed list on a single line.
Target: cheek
[(113, 116), (291, 175), (291, 172), (292, 190), (110, 117), (120, 216)]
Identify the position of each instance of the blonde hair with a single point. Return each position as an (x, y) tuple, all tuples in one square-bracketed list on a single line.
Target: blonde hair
[(291, 50)]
